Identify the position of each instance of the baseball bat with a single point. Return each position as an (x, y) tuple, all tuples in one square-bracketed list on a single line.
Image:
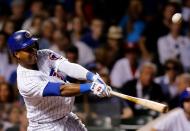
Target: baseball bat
[(147, 103)]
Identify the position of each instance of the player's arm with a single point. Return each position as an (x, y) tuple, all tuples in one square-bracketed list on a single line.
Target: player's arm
[(73, 70), (77, 71), (39, 87), (58, 89)]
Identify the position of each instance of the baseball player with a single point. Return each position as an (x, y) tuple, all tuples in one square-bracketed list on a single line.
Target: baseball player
[(48, 96), (178, 119)]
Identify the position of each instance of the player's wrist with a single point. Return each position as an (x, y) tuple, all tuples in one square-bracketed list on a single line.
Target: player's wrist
[(85, 88), (94, 77), (90, 76)]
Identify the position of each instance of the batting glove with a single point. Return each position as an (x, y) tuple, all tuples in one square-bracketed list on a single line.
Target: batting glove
[(98, 79), (100, 89)]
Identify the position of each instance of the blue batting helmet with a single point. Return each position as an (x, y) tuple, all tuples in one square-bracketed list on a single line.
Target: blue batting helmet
[(185, 95), (20, 40)]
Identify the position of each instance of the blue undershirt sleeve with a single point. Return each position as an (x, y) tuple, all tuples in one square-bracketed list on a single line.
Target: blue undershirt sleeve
[(89, 76), (85, 88), (52, 89)]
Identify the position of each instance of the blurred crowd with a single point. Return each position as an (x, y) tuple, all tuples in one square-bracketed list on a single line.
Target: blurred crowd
[(132, 44)]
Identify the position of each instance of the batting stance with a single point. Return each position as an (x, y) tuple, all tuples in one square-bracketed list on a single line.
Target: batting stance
[(41, 81)]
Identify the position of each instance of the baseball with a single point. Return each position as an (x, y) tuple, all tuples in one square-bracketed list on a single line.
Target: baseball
[(176, 18)]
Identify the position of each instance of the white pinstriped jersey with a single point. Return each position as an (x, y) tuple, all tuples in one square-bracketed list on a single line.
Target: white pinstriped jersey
[(31, 84)]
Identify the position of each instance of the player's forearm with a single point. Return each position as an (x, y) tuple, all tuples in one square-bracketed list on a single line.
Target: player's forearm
[(70, 90), (75, 89), (59, 89)]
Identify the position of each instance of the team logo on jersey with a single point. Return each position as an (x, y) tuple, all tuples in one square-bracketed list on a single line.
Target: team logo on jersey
[(56, 74), (53, 56)]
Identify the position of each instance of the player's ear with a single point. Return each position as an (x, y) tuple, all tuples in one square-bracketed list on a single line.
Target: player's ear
[(17, 55)]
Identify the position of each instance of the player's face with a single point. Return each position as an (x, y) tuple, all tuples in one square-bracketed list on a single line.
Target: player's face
[(28, 55), (186, 106)]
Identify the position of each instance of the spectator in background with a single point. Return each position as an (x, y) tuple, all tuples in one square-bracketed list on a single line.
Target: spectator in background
[(8, 27), (186, 10), (36, 9), (132, 24), (14, 115), (72, 54), (179, 119), (143, 87), (18, 16), (77, 29), (2, 14), (47, 30), (11, 74), (86, 54), (111, 51), (172, 69), (174, 46), (1, 127), (13, 118), (36, 25), (60, 17), (61, 41), (1, 116), (93, 38), (156, 28), (21, 118), (84, 9), (3, 55), (6, 93), (79, 4), (7, 64), (125, 68)]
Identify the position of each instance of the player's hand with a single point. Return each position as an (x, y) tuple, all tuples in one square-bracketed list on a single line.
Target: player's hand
[(100, 89), (98, 79)]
